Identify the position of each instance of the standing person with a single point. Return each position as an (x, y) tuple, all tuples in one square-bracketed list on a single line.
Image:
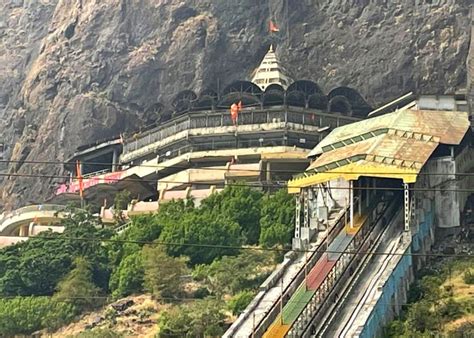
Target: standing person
[(234, 111)]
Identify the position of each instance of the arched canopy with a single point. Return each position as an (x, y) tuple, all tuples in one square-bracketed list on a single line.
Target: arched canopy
[(205, 102), (359, 105), (246, 99), (274, 87), (208, 92), (340, 104), (274, 95), (305, 86), (296, 98), (242, 87), (154, 113), (184, 101), (318, 101)]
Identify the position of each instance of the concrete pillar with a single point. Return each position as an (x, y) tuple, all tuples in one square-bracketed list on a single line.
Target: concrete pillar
[(268, 172), (114, 160), (406, 204), (367, 192), (298, 216), (359, 202)]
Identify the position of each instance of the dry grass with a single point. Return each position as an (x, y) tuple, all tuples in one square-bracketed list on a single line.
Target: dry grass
[(139, 320)]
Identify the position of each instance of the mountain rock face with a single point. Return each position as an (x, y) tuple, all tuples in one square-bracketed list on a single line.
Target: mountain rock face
[(76, 71)]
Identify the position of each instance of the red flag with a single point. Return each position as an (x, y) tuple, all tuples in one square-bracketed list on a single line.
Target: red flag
[(272, 27), (79, 177)]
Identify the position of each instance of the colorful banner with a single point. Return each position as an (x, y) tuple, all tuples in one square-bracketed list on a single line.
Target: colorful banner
[(74, 186)]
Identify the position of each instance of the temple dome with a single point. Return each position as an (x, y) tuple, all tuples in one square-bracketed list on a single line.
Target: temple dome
[(270, 72)]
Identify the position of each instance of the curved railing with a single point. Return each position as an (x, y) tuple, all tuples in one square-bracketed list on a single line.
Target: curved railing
[(218, 119), (28, 214)]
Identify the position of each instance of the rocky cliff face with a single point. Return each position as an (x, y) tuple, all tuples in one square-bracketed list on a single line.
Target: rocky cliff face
[(74, 71)]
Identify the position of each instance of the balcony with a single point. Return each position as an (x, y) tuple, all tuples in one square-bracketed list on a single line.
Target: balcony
[(215, 130)]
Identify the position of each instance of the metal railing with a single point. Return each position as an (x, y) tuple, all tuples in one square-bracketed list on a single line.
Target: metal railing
[(295, 283), (223, 119), (318, 303)]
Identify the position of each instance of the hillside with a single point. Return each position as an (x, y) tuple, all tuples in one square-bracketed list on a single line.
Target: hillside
[(74, 71)]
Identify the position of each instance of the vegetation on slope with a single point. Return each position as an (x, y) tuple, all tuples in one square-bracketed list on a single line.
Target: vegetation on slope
[(185, 256), (441, 303)]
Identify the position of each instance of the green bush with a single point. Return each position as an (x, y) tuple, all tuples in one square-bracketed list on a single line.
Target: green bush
[(240, 301), (98, 333), (35, 267), (232, 274), (451, 309), (468, 277), (78, 288), (163, 274), (277, 219), (198, 319), (25, 315), (128, 277)]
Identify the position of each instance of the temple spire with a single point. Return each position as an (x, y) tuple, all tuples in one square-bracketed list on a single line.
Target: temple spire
[(270, 72)]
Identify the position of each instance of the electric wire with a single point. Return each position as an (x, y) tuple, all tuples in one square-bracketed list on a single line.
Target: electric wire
[(158, 166), (264, 184), (231, 247)]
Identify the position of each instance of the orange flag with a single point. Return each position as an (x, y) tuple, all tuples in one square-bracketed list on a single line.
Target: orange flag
[(79, 177), (272, 27)]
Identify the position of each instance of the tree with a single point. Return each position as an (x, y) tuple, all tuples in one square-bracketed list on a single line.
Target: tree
[(77, 287), (421, 318), (25, 315), (128, 270), (277, 219), (240, 301), (128, 277), (202, 237), (121, 201), (35, 267), (163, 274), (240, 204), (230, 275), (199, 319)]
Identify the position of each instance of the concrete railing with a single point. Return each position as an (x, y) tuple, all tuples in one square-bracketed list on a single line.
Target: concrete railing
[(11, 221), (221, 119)]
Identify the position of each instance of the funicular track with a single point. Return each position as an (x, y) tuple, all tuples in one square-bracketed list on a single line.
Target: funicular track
[(383, 229), (262, 325), (335, 261)]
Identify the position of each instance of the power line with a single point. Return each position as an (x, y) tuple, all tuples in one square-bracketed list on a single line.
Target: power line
[(230, 247), (265, 184), (221, 169)]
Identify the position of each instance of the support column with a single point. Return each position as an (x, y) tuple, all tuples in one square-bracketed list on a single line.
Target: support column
[(351, 202), (406, 204), (359, 202), (298, 217), (367, 192), (114, 160), (306, 208), (268, 172)]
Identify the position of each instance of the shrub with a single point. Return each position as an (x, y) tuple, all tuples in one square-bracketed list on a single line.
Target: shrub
[(25, 315), (468, 277)]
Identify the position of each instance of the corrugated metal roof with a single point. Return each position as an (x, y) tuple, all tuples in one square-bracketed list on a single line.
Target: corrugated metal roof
[(395, 145), (448, 126), (390, 149)]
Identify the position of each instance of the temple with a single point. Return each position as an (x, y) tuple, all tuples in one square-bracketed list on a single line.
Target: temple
[(196, 148)]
